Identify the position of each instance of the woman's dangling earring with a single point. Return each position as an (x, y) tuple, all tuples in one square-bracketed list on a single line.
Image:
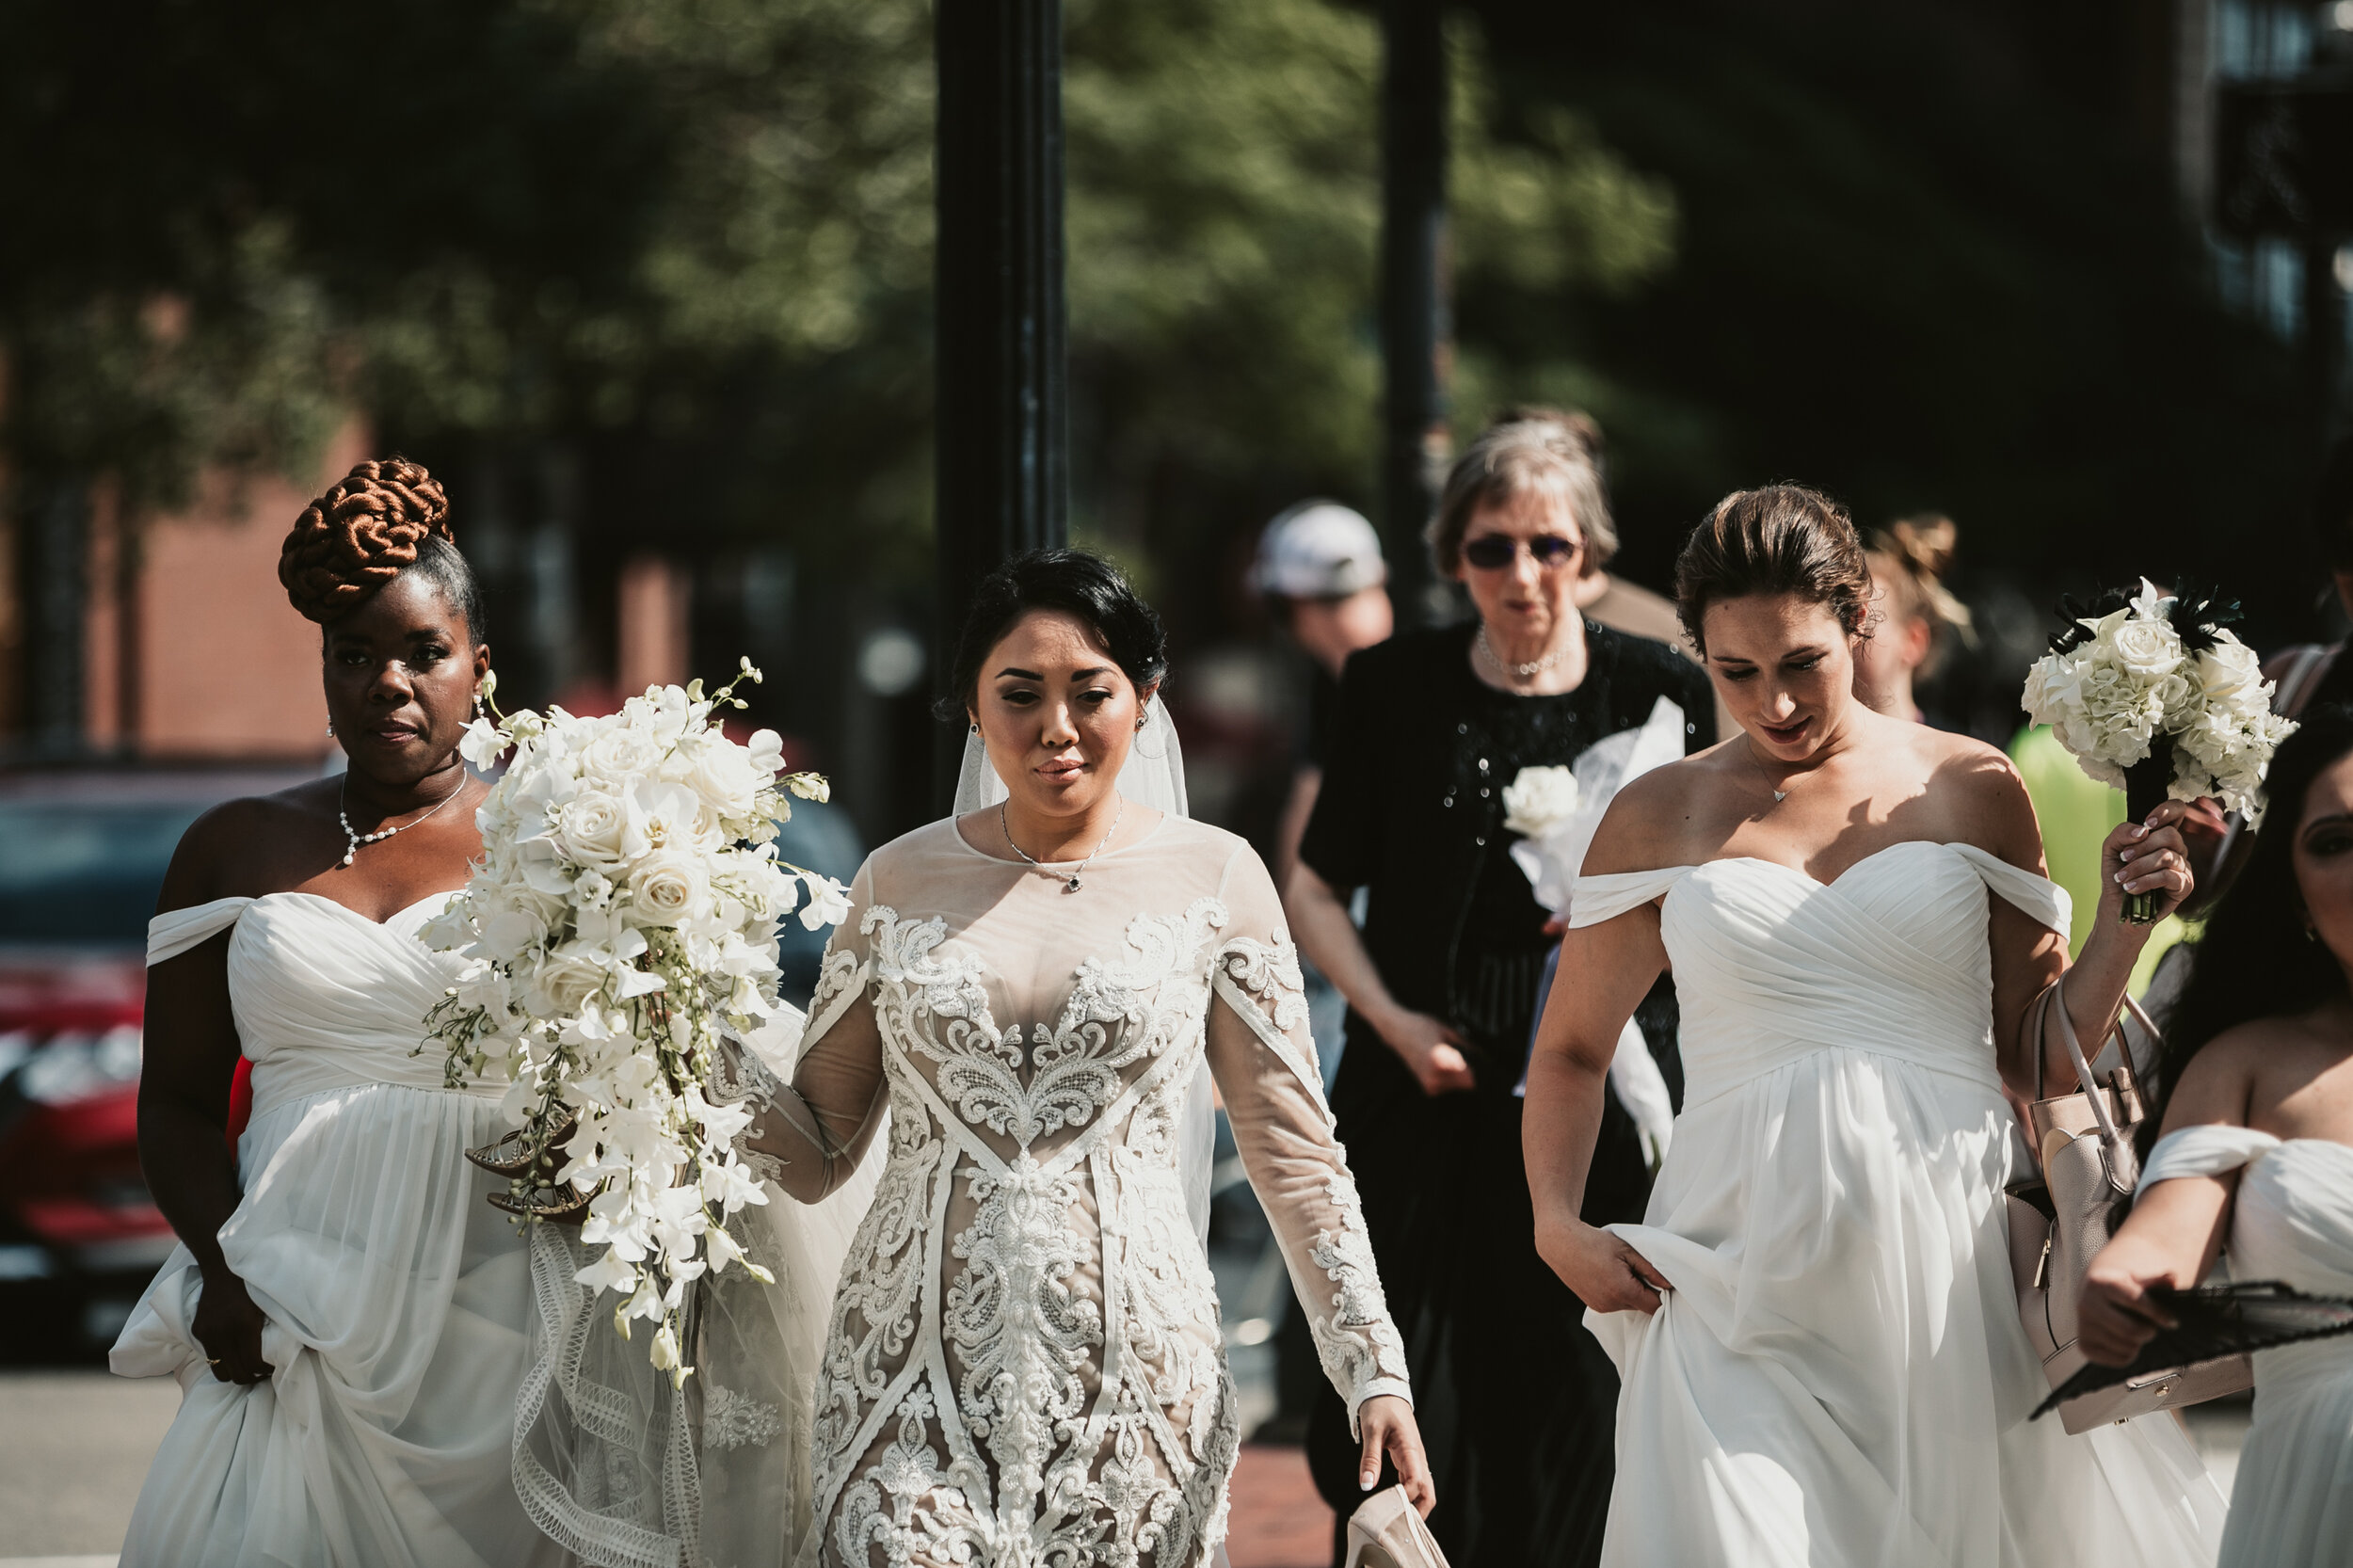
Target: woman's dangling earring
[(976, 730), (330, 729), (477, 705), (2312, 932)]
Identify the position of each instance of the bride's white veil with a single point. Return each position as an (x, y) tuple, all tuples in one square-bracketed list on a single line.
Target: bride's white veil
[(1153, 776)]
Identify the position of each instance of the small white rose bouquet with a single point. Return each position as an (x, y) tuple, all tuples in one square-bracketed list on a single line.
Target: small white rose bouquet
[(2153, 694), (622, 918)]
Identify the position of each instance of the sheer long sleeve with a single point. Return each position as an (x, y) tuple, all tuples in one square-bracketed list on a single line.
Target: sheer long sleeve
[(809, 1134), (1264, 1060)]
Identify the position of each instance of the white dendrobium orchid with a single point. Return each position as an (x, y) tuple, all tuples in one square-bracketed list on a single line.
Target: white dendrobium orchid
[(622, 920)]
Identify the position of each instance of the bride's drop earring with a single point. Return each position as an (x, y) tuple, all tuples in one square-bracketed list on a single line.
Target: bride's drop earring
[(330, 729)]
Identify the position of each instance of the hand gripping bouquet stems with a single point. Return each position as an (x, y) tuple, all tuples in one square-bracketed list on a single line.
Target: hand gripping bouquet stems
[(2153, 694), (622, 920)]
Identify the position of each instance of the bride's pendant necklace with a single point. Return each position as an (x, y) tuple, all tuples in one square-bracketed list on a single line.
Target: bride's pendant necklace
[(1533, 668), (1779, 795), (343, 815), (1071, 884)]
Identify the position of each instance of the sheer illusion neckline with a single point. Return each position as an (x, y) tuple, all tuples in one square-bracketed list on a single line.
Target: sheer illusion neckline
[(956, 831)]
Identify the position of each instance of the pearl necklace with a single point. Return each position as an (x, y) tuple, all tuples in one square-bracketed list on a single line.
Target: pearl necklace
[(1071, 886), (343, 815), (1534, 666)]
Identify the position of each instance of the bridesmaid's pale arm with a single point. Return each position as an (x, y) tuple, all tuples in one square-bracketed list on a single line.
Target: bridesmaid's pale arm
[(2029, 955), (1605, 971)]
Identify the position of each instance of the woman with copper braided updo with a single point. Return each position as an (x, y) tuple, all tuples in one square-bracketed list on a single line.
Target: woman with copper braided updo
[(347, 1315)]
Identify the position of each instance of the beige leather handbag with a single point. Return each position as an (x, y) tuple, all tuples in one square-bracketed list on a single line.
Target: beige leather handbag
[(2083, 1145), (1387, 1533)]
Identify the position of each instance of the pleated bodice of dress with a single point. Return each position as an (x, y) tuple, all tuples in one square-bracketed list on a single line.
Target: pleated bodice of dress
[(398, 1302), (1838, 1375), (2292, 1221), (1771, 965)]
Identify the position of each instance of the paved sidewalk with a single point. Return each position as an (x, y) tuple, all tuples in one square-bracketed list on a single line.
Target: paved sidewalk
[(1277, 1519), (74, 1446)]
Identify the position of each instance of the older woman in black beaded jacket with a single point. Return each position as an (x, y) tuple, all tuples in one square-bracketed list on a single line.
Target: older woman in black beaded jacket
[(1516, 1400)]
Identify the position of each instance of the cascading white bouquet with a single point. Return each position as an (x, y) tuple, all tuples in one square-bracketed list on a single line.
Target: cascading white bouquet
[(623, 918), (2152, 694)]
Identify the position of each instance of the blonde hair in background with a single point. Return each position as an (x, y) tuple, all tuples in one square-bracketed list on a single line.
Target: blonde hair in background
[(1523, 448), (1910, 557)]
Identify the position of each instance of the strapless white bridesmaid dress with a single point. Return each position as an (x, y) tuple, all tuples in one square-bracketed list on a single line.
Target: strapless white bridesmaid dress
[(2292, 1505), (399, 1302), (1838, 1378)]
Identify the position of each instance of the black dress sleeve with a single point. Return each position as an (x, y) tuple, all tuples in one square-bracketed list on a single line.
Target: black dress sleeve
[(1341, 842), (1698, 702)]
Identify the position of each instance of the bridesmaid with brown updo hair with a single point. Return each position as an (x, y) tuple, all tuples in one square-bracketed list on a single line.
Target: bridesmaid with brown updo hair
[(349, 1318)]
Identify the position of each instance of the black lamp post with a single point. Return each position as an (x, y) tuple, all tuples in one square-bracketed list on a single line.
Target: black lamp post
[(1414, 325), (1001, 410)]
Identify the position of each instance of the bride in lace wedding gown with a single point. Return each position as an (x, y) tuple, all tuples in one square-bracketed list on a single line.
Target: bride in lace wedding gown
[(1816, 1326), (1024, 1364)]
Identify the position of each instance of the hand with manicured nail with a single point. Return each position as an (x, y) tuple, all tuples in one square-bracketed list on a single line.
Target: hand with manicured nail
[(1386, 1424)]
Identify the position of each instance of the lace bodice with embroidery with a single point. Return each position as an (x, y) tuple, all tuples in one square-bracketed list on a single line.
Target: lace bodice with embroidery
[(1024, 1364)]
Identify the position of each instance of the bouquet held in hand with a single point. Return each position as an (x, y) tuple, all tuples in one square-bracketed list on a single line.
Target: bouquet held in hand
[(623, 918), (2153, 694)]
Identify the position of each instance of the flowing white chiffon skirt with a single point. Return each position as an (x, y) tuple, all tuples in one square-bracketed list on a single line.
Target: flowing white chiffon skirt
[(398, 1302), (1838, 1378)]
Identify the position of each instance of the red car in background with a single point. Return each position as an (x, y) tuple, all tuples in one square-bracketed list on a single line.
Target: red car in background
[(82, 856)]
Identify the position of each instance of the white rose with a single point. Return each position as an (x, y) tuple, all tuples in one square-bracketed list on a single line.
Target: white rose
[(2146, 650), (725, 776), (621, 753), (563, 980), (1539, 800), (668, 888), (596, 829), (2227, 670)]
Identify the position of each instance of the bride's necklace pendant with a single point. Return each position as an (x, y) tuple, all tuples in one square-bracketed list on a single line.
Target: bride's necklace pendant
[(1071, 883), (1779, 795)]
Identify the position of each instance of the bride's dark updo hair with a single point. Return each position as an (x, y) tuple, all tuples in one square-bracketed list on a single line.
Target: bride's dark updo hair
[(1073, 582), (385, 517), (1773, 539)]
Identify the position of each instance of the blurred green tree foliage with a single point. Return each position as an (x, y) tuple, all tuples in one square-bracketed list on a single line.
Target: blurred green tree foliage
[(694, 237)]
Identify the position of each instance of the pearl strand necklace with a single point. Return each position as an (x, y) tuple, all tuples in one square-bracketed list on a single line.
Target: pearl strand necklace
[(1534, 666), (343, 815)]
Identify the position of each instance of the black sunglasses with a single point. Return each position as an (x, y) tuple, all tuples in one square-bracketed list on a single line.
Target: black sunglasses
[(1493, 552)]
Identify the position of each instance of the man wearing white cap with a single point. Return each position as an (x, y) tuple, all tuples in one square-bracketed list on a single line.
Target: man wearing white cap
[(1321, 569)]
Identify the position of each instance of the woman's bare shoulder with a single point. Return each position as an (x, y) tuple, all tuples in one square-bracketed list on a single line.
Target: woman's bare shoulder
[(1982, 791), (1651, 821), (232, 849)]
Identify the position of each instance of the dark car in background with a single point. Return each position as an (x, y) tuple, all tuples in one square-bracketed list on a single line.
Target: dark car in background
[(82, 857)]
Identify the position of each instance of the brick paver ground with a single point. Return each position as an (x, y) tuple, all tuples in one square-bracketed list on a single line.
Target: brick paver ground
[(1277, 1520)]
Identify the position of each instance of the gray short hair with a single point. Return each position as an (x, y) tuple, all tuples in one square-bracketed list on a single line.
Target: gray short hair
[(1521, 449)]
